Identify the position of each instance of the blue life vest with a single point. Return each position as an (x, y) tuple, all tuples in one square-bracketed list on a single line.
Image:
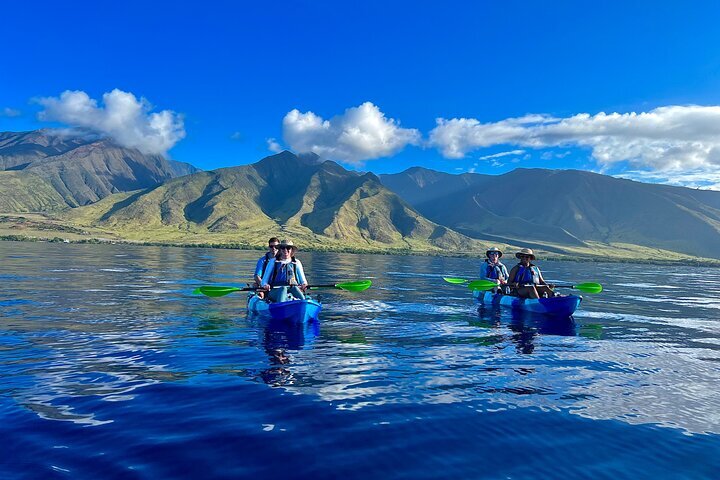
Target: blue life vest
[(283, 274), (527, 275), (266, 259), (494, 272)]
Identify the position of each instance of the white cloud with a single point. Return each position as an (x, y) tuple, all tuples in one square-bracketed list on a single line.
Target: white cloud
[(274, 146), (671, 138), (456, 137), (122, 117), (503, 154), (9, 112), (360, 133), (238, 136), (703, 179), (551, 155)]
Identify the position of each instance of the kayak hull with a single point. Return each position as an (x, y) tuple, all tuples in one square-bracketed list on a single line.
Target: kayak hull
[(558, 306), (294, 310)]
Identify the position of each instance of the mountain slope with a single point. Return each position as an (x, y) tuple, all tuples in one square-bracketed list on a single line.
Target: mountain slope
[(570, 208), (28, 192), (318, 204), (81, 171), (416, 184)]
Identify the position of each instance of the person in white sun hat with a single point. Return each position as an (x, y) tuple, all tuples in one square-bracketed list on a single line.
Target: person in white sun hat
[(286, 272), (492, 269)]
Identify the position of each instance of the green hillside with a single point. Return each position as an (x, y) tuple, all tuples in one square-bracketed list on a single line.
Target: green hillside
[(80, 170), (28, 192), (563, 210), (96, 188), (319, 205)]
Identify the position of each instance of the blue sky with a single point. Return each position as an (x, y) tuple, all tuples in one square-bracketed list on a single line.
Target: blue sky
[(514, 84)]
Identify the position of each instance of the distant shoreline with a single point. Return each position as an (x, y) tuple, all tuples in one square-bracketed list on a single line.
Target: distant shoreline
[(690, 261)]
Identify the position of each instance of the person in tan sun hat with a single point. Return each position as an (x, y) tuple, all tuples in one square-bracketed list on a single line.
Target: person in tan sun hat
[(525, 278), (286, 272), (492, 269)]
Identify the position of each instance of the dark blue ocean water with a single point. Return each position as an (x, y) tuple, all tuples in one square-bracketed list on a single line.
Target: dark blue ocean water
[(109, 368)]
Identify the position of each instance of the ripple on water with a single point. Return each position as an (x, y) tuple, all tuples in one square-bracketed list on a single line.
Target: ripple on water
[(123, 371)]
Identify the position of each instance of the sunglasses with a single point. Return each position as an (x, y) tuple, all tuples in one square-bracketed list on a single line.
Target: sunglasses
[(284, 248), (524, 256), (493, 253), (273, 246)]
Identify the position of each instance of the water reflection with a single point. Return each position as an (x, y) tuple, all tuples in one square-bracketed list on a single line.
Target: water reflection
[(78, 343), (525, 326), (276, 338)]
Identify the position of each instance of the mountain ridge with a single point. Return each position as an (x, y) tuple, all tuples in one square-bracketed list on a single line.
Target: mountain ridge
[(80, 170), (572, 208), (94, 185), (316, 202)]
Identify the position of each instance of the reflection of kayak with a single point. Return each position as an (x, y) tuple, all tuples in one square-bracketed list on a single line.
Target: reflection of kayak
[(560, 306), (294, 310)]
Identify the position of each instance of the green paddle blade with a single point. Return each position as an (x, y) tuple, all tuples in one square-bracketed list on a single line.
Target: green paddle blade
[(357, 286), (481, 285), (454, 281), (213, 291), (589, 287)]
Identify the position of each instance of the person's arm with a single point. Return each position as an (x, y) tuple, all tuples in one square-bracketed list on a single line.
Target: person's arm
[(484, 271), (511, 276), (504, 274), (265, 282), (258, 271), (300, 272)]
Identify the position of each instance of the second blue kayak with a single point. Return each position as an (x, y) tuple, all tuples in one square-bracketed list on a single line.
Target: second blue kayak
[(294, 310), (559, 306)]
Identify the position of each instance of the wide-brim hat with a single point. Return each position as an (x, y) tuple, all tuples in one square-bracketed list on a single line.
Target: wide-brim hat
[(525, 251), (493, 249), (287, 243)]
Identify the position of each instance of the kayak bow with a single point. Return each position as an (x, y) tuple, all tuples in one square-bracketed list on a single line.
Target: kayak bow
[(562, 306), (294, 310)]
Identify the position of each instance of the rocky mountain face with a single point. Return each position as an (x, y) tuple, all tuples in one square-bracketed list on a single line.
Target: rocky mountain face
[(548, 208), (69, 171), (319, 202)]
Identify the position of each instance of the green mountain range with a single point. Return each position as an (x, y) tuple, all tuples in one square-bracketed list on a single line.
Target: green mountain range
[(44, 170), (93, 188), (562, 210), (317, 203)]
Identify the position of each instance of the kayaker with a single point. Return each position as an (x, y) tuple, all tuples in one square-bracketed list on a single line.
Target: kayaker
[(286, 273), (525, 278), (263, 262), (492, 268), (265, 259)]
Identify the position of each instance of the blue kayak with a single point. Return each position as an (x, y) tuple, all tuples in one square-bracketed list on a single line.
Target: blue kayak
[(294, 310), (562, 306)]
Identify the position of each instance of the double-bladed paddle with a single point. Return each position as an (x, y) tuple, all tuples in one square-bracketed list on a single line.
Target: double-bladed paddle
[(588, 287), (218, 291)]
